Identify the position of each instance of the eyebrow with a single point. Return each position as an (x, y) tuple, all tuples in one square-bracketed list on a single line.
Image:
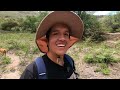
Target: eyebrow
[(55, 30)]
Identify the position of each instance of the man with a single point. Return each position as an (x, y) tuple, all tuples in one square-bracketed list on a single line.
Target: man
[(58, 31)]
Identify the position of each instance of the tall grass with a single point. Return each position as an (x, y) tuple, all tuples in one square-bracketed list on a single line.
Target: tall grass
[(22, 44)]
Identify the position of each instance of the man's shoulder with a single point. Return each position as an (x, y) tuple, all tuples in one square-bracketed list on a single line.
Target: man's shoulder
[(31, 66)]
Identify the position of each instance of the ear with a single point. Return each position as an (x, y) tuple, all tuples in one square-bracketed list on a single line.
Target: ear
[(42, 44), (73, 40)]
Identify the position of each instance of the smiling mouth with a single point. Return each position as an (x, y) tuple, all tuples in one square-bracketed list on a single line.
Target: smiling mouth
[(61, 45)]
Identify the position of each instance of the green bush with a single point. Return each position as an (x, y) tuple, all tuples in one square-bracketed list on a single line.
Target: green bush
[(8, 25), (105, 71), (6, 60), (103, 68), (111, 23), (100, 58), (89, 58), (118, 30), (31, 23), (92, 28), (103, 59), (23, 24)]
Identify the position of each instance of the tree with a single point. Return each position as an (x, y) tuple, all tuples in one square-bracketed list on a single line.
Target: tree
[(9, 24), (31, 22), (92, 27), (111, 23)]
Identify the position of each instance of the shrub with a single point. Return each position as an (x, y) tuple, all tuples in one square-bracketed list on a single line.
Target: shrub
[(100, 58), (105, 71), (111, 23), (31, 23), (92, 28), (103, 59), (6, 60), (89, 58), (8, 25)]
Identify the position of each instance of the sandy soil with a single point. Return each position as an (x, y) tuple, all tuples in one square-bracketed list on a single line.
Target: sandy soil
[(12, 69)]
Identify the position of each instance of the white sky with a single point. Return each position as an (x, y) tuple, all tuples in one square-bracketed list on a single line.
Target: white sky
[(102, 12)]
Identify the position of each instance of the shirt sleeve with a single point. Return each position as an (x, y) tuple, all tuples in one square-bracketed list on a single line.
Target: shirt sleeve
[(29, 72)]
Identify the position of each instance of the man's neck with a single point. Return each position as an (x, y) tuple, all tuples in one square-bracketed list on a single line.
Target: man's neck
[(56, 58)]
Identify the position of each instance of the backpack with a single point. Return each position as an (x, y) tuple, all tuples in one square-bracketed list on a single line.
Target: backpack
[(42, 69)]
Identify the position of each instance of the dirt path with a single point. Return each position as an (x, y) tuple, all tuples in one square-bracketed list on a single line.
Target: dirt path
[(12, 69)]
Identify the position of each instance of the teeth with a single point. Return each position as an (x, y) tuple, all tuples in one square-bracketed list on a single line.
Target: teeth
[(60, 45)]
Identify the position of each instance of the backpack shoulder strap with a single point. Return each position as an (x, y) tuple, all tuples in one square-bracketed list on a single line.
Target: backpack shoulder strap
[(70, 60), (41, 68)]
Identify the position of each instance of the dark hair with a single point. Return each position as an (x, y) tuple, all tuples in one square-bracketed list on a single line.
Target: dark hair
[(48, 34)]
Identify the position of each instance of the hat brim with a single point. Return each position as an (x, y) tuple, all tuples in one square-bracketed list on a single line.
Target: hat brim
[(69, 18)]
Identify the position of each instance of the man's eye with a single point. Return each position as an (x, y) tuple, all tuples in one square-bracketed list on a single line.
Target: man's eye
[(66, 34), (55, 33)]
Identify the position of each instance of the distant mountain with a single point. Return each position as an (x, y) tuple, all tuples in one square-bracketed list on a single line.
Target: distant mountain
[(17, 14)]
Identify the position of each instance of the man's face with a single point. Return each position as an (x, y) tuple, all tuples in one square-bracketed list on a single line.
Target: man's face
[(58, 39)]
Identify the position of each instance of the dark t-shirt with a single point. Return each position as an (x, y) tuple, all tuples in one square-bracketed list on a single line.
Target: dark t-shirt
[(53, 70)]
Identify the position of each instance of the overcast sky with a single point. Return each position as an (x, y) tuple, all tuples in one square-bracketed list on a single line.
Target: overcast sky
[(104, 12)]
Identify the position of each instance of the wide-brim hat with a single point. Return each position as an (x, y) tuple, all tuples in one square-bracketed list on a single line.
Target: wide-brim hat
[(71, 19)]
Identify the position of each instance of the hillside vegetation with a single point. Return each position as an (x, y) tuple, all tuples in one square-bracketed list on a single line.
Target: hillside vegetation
[(96, 56), (17, 14)]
